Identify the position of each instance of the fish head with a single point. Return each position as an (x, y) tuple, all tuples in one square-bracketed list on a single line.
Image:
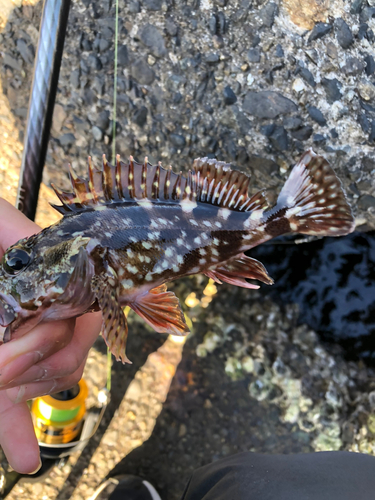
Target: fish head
[(43, 279)]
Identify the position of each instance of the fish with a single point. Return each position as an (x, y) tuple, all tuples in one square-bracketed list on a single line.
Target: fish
[(130, 228)]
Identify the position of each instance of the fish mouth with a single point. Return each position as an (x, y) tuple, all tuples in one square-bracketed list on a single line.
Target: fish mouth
[(7, 311)]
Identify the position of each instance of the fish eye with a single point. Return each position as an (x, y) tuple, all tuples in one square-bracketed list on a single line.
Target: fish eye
[(15, 260)]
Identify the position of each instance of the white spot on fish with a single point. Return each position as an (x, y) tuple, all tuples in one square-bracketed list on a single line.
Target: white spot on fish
[(165, 264), (100, 208), (141, 258), (180, 259), (179, 241), (163, 221), (145, 203), (147, 259), (183, 234), (207, 223), (130, 253), (194, 222), (187, 205), (147, 245), (148, 277), (158, 269), (175, 269), (133, 239), (218, 224), (202, 261), (202, 252), (293, 226), (154, 223), (204, 236), (127, 283), (131, 268), (216, 241), (169, 252), (197, 240), (214, 252), (224, 213)]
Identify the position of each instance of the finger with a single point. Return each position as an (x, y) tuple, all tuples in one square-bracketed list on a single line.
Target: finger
[(20, 354), (14, 225), (17, 436), (68, 359), (36, 389)]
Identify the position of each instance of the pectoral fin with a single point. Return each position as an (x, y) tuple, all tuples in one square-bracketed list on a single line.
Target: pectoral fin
[(162, 311), (115, 327), (236, 270)]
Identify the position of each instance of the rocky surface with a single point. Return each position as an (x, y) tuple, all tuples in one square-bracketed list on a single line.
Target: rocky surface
[(253, 83)]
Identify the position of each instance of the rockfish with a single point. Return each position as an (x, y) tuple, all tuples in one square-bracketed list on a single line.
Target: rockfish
[(131, 228)]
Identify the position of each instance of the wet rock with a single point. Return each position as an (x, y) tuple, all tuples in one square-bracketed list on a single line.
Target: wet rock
[(267, 104), (332, 88), (344, 35), (366, 201), (268, 13), (292, 123), (177, 140), (319, 139), (94, 62), (212, 58), (12, 62), (59, 116), (319, 31), (142, 72), (356, 6), (171, 27), (153, 5), (316, 115), (279, 52), (140, 116), (353, 66), (75, 78), (134, 7), (151, 37), (97, 133), (279, 138), (367, 14), (307, 76), (104, 45), (102, 120), (229, 96), (371, 136), (332, 50), (26, 50), (303, 133), (123, 56), (212, 25), (67, 140), (253, 55), (370, 65)]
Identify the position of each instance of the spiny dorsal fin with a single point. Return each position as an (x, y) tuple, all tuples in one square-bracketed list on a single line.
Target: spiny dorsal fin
[(210, 181)]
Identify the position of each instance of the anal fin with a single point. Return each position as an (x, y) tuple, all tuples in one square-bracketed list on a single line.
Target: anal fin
[(236, 270), (115, 327), (162, 311)]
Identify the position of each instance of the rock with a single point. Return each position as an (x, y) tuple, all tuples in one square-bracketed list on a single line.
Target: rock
[(332, 88), (103, 120), (134, 7), (305, 14), (177, 140), (319, 139), (26, 50), (303, 133), (104, 45), (279, 52), (212, 58), (371, 137), (151, 37), (316, 115), (344, 35), (319, 31), (140, 116), (253, 55), (292, 123), (67, 140), (221, 23), (142, 72), (94, 62), (267, 14), (153, 5), (75, 78), (229, 96), (258, 163), (356, 6), (332, 50), (13, 63), (366, 90), (353, 66), (59, 116), (364, 123), (279, 138), (362, 31), (267, 104), (212, 25), (97, 133), (366, 201), (367, 14), (370, 65), (171, 27), (122, 56), (307, 76)]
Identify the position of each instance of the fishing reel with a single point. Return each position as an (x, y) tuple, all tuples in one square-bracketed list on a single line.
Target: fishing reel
[(62, 426)]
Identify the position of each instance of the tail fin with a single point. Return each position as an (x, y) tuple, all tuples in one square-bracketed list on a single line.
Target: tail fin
[(314, 199)]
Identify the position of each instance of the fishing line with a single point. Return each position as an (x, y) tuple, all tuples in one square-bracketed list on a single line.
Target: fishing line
[(109, 356)]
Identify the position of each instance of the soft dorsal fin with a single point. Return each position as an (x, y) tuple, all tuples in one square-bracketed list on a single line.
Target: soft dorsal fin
[(210, 181)]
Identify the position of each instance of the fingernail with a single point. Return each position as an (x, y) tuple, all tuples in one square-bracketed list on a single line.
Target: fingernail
[(37, 469), (18, 365)]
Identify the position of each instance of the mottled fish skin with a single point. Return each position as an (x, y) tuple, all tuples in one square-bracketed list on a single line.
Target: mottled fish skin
[(131, 228)]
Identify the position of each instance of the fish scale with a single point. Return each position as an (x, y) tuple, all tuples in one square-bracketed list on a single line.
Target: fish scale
[(130, 228)]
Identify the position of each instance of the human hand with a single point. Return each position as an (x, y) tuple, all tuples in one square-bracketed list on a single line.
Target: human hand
[(49, 358)]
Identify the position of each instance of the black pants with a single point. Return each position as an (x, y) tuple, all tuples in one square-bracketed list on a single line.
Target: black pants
[(311, 476)]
